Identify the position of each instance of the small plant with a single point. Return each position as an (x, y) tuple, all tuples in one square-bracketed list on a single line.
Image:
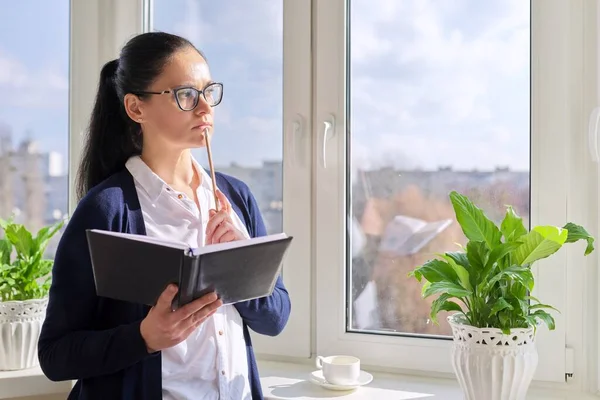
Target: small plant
[(28, 275), (492, 275)]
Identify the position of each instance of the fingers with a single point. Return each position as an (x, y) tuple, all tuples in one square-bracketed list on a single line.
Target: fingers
[(216, 219), (206, 303), (224, 233), (195, 320), (166, 298), (223, 201), (188, 331)]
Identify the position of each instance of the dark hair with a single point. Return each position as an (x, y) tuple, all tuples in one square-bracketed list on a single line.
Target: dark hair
[(112, 136)]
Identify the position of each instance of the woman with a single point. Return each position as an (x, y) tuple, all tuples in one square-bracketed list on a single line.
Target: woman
[(137, 175)]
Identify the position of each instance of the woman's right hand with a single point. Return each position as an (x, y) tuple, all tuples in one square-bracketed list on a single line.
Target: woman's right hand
[(163, 328)]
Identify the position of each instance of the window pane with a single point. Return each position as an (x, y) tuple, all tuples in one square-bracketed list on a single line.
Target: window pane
[(34, 114), (242, 41), (439, 101)]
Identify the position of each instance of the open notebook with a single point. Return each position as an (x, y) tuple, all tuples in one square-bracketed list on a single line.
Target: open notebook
[(137, 268)]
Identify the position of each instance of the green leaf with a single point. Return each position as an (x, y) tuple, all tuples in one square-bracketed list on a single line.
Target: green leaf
[(577, 232), (531, 321), (504, 318), (530, 297), (475, 225), (453, 289), (20, 238), (541, 242), (512, 226), (541, 306), (45, 234), (28, 276), (520, 306), (459, 257), (519, 293), (516, 273), (497, 253), (477, 255), (436, 271), (442, 304), (500, 251), (545, 317), (5, 251), (461, 272), (500, 305)]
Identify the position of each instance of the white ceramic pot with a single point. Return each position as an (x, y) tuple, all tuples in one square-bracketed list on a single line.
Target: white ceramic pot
[(491, 365), (20, 326)]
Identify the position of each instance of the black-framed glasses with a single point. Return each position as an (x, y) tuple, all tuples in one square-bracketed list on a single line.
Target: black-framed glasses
[(187, 97)]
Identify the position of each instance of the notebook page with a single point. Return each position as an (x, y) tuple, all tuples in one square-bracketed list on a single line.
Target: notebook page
[(144, 238), (211, 248)]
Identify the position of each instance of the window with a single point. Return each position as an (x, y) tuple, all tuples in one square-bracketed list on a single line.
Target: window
[(435, 119), (34, 115), (415, 99), (256, 138)]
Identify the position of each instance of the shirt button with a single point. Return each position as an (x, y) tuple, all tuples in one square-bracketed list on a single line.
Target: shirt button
[(222, 372), (221, 333), (180, 196)]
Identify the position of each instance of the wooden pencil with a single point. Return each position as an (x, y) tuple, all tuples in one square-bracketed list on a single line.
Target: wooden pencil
[(212, 168)]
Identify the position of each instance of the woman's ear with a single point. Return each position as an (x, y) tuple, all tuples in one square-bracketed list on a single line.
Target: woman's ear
[(134, 107)]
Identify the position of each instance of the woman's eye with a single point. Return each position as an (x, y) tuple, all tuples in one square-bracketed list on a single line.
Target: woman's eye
[(186, 94)]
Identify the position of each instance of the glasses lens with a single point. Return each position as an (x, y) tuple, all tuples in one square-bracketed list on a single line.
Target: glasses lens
[(213, 94), (187, 98)]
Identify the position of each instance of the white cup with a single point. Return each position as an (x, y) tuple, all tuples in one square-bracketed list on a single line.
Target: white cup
[(339, 370)]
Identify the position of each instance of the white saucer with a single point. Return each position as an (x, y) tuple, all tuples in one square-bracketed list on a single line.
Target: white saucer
[(317, 378)]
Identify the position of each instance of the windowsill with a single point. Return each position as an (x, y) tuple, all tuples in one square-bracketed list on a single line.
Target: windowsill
[(29, 382), (282, 380)]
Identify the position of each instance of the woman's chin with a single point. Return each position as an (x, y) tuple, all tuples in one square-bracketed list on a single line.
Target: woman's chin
[(196, 143)]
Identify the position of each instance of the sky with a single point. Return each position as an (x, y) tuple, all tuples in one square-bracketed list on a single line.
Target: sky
[(433, 83)]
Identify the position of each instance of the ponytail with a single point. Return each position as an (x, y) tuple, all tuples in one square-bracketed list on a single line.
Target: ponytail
[(112, 136)]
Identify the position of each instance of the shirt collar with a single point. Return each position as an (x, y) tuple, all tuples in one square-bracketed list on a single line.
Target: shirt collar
[(152, 183)]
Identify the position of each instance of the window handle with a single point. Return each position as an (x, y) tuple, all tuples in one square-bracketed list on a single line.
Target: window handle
[(329, 127), (296, 141)]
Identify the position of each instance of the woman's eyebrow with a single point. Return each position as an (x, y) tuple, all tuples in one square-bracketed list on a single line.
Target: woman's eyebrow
[(192, 84)]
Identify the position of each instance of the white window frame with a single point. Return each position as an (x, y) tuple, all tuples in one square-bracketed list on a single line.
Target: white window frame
[(295, 340), (551, 116), (99, 29), (582, 279)]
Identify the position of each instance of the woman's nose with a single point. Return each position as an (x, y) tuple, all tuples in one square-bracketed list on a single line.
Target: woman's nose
[(203, 107)]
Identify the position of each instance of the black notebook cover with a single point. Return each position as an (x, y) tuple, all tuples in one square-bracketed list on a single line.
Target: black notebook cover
[(138, 268)]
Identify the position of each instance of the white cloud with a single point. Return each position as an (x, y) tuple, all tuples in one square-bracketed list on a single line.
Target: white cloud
[(243, 41), (433, 79), (45, 87), (439, 81), (255, 26)]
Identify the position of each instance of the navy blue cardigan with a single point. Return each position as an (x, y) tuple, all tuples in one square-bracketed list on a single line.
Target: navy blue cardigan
[(96, 340)]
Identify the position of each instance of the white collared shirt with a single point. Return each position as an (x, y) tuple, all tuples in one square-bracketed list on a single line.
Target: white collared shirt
[(211, 363)]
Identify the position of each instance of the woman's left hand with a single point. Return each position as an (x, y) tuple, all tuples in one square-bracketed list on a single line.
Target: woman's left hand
[(220, 227)]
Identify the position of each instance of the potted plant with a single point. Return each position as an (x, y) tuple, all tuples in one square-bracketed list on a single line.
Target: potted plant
[(24, 285), (488, 283)]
